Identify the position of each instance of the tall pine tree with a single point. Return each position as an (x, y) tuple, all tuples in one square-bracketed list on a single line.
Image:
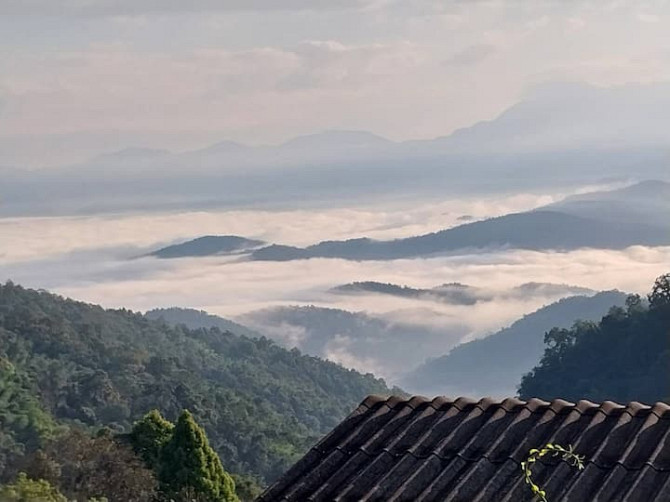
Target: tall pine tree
[(190, 469)]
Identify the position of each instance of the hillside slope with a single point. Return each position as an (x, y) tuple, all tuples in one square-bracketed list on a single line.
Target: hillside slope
[(194, 319), (261, 405), (646, 203), (356, 339), (493, 366), (208, 245), (624, 357)]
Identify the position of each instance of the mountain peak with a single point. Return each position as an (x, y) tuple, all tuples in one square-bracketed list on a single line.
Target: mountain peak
[(208, 245), (571, 116), (337, 139), (225, 146), (133, 153)]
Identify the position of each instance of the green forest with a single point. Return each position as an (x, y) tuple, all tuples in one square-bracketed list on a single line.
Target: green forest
[(68, 367), (107, 405), (624, 357)]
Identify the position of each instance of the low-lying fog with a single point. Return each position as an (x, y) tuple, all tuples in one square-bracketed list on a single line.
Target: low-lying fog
[(100, 260)]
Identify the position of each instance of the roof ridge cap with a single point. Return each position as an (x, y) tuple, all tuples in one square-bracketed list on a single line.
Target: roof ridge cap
[(659, 408)]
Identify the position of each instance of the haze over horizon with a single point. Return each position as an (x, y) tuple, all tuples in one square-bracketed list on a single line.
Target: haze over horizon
[(82, 79)]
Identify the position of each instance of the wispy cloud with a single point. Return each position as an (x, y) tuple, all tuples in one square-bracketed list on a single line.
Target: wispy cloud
[(169, 73), (471, 55), (232, 287), (138, 7)]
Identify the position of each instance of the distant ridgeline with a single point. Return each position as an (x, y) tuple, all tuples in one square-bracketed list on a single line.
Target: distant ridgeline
[(454, 293), (460, 294), (194, 319), (209, 245), (66, 362), (634, 215), (494, 365), (532, 230), (624, 357)]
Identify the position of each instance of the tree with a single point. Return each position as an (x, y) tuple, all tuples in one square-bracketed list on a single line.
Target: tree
[(148, 437), (29, 490), (660, 293), (85, 468), (625, 357), (634, 304), (21, 415), (247, 488), (190, 469)]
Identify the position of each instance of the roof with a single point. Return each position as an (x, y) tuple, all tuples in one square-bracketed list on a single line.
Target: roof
[(417, 449)]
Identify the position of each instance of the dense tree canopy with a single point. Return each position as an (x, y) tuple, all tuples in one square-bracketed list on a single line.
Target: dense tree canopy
[(25, 489), (85, 467), (659, 298), (168, 464), (149, 435), (185, 464), (261, 405), (189, 467), (23, 422), (625, 357)]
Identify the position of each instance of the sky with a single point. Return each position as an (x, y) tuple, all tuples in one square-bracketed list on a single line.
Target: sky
[(82, 77)]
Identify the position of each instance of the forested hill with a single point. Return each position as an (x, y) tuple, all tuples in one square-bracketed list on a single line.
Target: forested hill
[(194, 319), (625, 357), (262, 406)]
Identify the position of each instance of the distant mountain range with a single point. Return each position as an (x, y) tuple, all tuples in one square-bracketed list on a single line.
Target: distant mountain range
[(577, 222), (494, 365), (208, 246), (566, 115), (635, 215), (561, 136), (647, 203), (399, 350), (537, 230)]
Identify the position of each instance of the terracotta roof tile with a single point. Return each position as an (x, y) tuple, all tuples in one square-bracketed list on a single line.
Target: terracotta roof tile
[(464, 450)]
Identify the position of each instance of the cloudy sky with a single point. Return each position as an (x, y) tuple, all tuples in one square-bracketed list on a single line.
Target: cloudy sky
[(81, 77)]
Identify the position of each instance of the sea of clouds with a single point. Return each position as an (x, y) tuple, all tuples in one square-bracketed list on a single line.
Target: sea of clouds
[(102, 259)]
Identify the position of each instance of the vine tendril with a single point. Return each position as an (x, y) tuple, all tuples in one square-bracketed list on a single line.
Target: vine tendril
[(567, 454)]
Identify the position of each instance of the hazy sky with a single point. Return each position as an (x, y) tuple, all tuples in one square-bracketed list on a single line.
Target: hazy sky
[(82, 76)]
